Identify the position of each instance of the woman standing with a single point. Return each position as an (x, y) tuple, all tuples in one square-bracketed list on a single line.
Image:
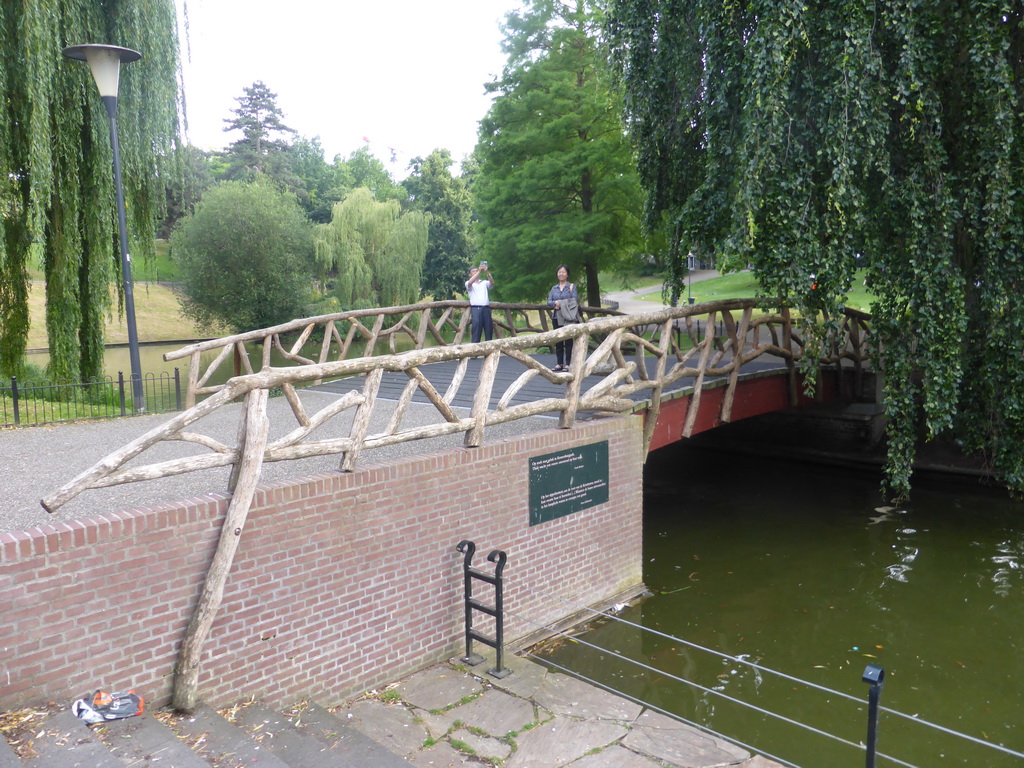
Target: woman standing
[(564, 303)]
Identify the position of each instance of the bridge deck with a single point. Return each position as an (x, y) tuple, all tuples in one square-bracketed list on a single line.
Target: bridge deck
[(441, 375)]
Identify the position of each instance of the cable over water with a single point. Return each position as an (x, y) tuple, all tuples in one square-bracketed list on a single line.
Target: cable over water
[(738, 660)]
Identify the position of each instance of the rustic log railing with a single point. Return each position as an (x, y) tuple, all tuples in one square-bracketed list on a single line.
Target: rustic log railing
[(358, 333), (609, 372)]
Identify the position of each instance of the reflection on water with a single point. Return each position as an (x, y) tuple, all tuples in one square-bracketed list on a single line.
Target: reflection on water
[(807, 572), (1007, 572), (906, 554)]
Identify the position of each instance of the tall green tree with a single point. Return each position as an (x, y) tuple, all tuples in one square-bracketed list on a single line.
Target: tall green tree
[(799, 137), (57, 207), (556, 181), (264, 145), (364, 169), (184, 190), (245, 256), (445, 198), (316, 188), (371, 252)]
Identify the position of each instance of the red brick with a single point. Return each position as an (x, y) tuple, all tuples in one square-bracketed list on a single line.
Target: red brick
[(353, 578)]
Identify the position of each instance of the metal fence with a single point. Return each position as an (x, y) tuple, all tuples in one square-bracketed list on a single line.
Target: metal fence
[(25, 403), (841, 741)]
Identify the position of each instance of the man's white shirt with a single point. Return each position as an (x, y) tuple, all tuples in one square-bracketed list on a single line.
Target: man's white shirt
[(478, 293)]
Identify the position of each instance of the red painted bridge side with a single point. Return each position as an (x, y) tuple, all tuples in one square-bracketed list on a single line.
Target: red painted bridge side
[(756, 394)]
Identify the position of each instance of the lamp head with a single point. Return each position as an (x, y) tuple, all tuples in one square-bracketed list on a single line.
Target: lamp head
[(105, 63), (873, 674)]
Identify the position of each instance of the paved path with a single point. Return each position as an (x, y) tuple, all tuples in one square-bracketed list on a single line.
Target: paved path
[(38, 460), (451, 715), (630, 301)]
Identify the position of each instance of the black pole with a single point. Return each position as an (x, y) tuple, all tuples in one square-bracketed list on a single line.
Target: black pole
[(874, 675), (14, 397), (138, 399), (498, 558), (468, 548), (120, 390)]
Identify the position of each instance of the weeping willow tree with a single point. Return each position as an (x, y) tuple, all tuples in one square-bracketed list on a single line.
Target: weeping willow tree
[(372, 252), (808, 139), (57, 207)]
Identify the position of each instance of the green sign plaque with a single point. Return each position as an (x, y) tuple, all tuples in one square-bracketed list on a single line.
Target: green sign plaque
[(567, 481)]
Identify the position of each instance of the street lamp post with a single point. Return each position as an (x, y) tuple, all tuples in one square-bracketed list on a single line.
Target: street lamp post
[(105, 63)]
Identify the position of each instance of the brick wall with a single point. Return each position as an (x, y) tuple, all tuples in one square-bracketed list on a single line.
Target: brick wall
[(342, 582)]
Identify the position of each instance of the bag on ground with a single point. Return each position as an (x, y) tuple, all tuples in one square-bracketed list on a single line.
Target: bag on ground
[(103, 706)]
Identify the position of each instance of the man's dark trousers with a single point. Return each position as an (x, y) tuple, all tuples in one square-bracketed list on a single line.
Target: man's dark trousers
[(481, 319)]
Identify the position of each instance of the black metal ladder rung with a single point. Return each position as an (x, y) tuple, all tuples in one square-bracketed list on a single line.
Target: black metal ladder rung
[(483, 639), (483, 576), (483, 608)]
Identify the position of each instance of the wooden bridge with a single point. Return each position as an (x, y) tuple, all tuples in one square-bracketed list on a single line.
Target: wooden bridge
[(689, 360), (695, 355)]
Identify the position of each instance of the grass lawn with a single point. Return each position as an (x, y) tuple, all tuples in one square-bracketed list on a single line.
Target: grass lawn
[(741, 285), (611, 283), (157, 308), (157, 317), (159, 268)]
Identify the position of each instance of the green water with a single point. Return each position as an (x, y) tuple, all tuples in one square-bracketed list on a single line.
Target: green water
[(799, 568)]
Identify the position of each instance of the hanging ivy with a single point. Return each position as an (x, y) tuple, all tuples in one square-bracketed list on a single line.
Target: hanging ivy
[(57, 206), (808, 139)]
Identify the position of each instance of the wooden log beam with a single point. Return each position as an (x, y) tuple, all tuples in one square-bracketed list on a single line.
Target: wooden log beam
[(193, 380), (403, 405), (348, 400), (371, 343), (610, 383), (572, 390), (88, 479), (186, 676), (296, 405), (213, 366), (651, 418), (428, 389), (168, 468), (526, 410), (482, 400), (691, 411), (361, 422), (456, 382), (524, 378), (725, 413), (418, 433)]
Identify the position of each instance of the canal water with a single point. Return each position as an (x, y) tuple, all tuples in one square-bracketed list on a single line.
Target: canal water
[(805, 570)]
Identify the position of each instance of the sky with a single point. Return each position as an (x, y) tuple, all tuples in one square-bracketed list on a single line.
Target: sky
[(403, 77)]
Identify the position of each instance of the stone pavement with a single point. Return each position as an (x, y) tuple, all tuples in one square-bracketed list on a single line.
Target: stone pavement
[(453, 716)]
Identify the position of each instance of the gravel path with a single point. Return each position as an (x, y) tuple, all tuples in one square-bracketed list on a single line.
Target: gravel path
[(38, 460)]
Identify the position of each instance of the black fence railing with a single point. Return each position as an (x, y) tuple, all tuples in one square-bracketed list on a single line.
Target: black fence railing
[(24, 403), (840, 740)]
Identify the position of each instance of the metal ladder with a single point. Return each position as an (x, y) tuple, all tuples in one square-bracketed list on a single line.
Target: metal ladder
[(468, 548)]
